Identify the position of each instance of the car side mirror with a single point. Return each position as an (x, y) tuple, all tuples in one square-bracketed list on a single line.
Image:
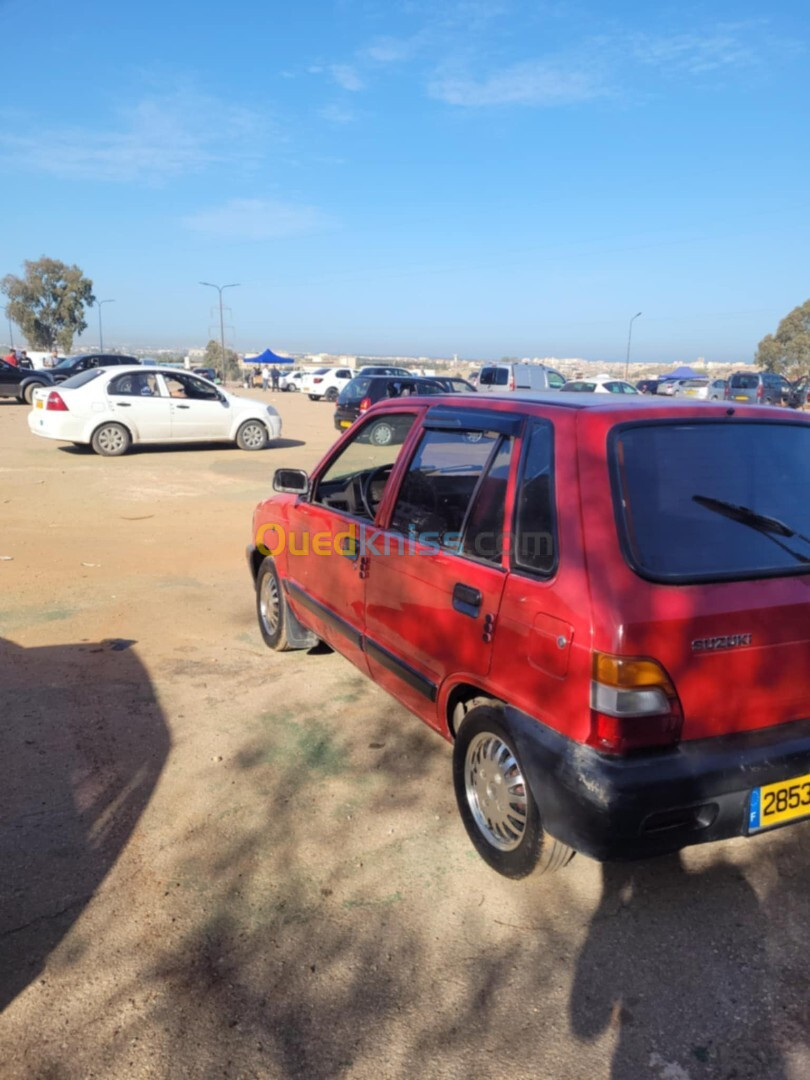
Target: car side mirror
[(293, 481)]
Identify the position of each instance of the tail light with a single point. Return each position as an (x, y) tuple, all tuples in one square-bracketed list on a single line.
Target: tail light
[(512, 383), (760, 392), (56, 403), (365, 404), (318, 378), (727, 392), (634, 705)]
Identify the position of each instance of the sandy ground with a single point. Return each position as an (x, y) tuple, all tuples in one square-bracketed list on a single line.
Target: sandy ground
[(216, 861)]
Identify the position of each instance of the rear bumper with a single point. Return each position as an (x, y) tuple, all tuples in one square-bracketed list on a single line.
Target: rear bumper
[(344, 418), (637, 807)]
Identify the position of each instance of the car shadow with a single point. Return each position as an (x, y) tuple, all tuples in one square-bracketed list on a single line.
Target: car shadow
[(181, 448), (82, 742)]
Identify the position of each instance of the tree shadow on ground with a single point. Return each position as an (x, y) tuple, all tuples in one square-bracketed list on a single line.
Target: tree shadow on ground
[(82, 744)]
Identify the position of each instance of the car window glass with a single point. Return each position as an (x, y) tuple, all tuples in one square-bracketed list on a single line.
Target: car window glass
[(494, 376), (354, 481), (186, 386), (437, 489), (132, 384), (483, 529), (745, 382), (555, 380), (534, 548)]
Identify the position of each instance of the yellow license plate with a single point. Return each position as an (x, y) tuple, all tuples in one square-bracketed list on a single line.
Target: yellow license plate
[(691, 393), (776, 804), (345, 423), (39, 404), (740, 397)]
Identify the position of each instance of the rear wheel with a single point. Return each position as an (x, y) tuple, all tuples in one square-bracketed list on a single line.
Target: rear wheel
[(495, 801), (313, 397), (28, 392), (252, 435), (111, 440), (271, 607), (331, 394)]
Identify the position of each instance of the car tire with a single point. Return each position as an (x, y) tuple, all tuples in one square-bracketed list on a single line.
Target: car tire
[(313, 397), (495, 801), (271, 607), (111, 440), (252, 435), (28, 392), (381, 434), (331, 394)]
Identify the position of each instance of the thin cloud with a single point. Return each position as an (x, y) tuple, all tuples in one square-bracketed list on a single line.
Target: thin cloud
[(257, 219), (346, 77), (693, 54), (537, 83), (338, 114), (157, 139)]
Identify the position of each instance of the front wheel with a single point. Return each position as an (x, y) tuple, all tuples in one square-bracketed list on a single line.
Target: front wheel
[(252, 435), (271, 607), (381, 434), (495, 801), (111, 440)]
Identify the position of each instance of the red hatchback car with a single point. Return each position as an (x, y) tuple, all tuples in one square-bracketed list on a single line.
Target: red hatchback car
[(604, 604)]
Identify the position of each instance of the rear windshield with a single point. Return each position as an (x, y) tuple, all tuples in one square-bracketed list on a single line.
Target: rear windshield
[(494, 376), (713, 501), (745, 382), (355, 390), (75, 381)]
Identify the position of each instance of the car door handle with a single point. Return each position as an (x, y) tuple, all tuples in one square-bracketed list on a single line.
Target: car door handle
[(348, 548), (182, 406), (124, 404), (467, 600)]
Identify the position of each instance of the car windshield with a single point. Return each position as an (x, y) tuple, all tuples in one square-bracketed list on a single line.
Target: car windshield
[(713, 501), (75, 381)]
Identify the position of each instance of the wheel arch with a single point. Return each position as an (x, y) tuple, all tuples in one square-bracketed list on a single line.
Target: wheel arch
[(460, 699)]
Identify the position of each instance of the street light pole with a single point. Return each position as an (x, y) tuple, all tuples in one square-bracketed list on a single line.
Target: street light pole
[(100, 331), (629, 336), (220, 289)]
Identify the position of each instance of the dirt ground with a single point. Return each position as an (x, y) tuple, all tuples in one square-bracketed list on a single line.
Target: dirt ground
[(216, 861)]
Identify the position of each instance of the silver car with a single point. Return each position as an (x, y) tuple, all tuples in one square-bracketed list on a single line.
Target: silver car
[(692, 388)]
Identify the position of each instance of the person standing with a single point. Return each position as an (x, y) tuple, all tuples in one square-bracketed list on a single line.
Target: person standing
[(11, 358), (264, 378), (274, 374)]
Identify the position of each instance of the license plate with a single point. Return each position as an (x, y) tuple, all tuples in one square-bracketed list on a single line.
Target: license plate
[(740, 397), (39, 403), (776, 804), (691, 393), (345, 423)]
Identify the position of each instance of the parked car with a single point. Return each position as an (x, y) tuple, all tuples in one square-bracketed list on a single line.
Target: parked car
[(112, 409), (206, 373), (799, 395), (20, 383), (647, 386), (324, 384), (693, 388), (717, 390), (600, 384), (758, 388), (72, 365), (377, 369), (365, 390), (455, 384), (291, 381), (668, 387), (616, 648), (510, 376)]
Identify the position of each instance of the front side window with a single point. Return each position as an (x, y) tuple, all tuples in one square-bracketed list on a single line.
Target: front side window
[(736, 506), (355, 480), (534, 547), (555, 380), (186, 386), (454, 492)]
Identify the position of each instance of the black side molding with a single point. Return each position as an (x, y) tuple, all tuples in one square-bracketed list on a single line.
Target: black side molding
[(335, 621), (404, 671)]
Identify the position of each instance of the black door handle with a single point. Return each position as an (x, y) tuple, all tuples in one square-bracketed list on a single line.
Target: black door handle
[(124, 404), (348, 548), (467, 600), (182, 406)]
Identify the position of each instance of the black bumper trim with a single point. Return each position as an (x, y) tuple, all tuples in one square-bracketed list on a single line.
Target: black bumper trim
[(650, 804)]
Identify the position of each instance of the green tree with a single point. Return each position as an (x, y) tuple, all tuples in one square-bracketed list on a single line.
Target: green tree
[(213, 359), (789, 348), (48, 302)]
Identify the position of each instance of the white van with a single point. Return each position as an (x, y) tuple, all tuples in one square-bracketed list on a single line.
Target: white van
[(510, 378)]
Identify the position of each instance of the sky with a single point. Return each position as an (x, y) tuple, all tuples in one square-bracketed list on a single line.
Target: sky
[(484, 178)]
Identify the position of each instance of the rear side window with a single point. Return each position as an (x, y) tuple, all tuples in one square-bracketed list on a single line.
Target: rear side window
[(713, 501), (534, 548), (132, 384), (494, 376)]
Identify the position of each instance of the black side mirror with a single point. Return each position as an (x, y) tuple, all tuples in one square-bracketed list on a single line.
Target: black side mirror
[(293, 481)]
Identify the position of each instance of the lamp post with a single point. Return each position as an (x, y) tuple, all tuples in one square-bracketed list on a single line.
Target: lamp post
[(100, 331), (629, 336), (220, 289)]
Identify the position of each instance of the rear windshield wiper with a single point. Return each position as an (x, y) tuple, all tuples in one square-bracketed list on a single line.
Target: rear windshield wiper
[(768, 526)]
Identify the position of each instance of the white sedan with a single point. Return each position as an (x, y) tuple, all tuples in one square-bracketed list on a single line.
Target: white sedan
[(112, 408), (600, 384)]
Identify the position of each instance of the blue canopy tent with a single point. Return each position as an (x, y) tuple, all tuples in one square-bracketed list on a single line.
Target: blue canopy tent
[(682, 372), (269, 357)]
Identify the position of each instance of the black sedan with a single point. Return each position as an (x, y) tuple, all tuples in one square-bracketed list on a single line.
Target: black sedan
[(365, 390)]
